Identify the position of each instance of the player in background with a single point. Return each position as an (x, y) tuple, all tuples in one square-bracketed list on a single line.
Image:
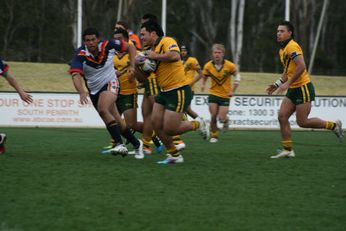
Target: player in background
[(300, 92), (220, 72), (132, 36), (4, 71), (93, 62), (193, 73), (127, 99), (175, 95)]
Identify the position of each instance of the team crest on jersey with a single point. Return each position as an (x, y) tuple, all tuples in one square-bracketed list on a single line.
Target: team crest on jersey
[(293, 54), (226, 73), (172, 46)]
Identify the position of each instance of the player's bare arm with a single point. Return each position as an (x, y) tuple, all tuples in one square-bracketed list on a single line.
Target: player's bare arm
[(131, 49), (300, 67), (23, 94), (77, 82), (171, 56)]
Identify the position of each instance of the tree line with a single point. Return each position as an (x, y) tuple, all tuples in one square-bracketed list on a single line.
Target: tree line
[(45, 31)]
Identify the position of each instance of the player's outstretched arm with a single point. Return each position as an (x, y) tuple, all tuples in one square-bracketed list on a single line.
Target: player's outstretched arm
[(13, 82)]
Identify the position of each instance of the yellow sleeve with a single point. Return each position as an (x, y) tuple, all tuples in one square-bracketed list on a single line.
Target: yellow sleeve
[(170, 45), (294, 50)]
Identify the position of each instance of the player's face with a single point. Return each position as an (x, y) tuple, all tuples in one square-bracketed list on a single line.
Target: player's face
[(283, 34), (91, 42), (118, 36), (183, 53), (218, 55), (146, 37)]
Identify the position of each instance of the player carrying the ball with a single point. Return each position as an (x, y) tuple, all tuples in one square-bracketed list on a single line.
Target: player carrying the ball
[(175, 96)]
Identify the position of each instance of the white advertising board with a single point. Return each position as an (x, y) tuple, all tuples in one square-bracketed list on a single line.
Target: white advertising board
[(64, 109)]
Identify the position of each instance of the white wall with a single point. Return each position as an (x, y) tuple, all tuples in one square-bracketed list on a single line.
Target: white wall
[(246, 111)]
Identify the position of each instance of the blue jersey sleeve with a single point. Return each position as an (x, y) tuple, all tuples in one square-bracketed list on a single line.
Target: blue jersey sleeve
[(118, 45), (3, 67), (76, 64)]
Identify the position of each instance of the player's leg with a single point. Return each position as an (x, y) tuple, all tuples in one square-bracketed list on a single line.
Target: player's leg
[(158, 125), (307, 93), (223, 116), (130, 113), (214, 111), (2, 143), (287, 108), (105, 103)]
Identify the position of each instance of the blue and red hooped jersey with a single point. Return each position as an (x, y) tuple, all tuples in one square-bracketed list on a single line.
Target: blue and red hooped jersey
[(97, 71)]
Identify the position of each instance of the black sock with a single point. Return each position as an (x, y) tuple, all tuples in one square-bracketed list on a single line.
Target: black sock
[(156, 141), (130, 137), (114, 131)]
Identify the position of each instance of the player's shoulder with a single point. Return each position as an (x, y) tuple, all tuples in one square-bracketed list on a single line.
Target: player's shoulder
[(293, 45), (208, 64), (229, 63), (169, 40)]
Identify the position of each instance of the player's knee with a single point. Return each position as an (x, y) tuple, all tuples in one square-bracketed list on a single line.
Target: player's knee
[(102, 112), (282, 117), (302, 123), (170, 131)]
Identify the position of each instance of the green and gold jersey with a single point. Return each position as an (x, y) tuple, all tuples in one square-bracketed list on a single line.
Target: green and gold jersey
[(191, 66), (287, 55), (170, 75), (220, 79), (122, 63)]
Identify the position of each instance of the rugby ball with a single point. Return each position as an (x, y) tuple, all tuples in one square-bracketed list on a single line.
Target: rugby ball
[(145, 64)]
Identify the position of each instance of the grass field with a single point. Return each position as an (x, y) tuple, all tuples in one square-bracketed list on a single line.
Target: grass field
[(54, 77), (55, 179)]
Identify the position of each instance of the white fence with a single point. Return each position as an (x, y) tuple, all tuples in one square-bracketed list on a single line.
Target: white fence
[(63, 109)]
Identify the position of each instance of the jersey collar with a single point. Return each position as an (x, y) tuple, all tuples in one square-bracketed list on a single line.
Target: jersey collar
[(284, 43)]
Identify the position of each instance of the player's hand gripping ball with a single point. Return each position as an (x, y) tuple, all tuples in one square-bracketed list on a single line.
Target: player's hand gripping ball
[(145, 66)]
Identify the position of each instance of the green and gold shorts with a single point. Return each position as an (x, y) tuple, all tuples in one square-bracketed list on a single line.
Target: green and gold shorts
[(218, 100), (151, 87), (177, 100), (302, 94), (126, 102)]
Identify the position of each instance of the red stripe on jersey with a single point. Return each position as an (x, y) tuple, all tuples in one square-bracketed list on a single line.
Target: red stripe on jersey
[(71, 71), (101, 55), (6, 69)]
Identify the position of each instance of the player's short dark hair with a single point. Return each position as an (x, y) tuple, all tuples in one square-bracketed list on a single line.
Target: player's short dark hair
[(124, 24), (123, 32), (150, 17), (90, 31), (153, 27), (289, 26)]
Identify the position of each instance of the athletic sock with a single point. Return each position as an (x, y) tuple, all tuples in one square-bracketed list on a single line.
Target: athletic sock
[(114, 131), (195, 125), (177, 139), (130, 137), (156, 141), (330, 125), (174, 152), (214, 134), (287, 145), (146, 142)]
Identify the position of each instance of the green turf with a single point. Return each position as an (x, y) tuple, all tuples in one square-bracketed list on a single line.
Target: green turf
[(55, 179)]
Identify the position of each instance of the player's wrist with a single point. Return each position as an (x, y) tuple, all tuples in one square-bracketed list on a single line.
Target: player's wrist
[(278, 82)]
